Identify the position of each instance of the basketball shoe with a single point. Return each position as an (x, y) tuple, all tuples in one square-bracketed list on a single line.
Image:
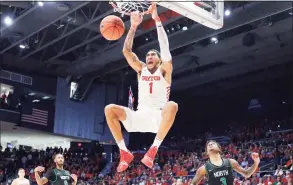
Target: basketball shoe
[(149, 157), (125, 159)]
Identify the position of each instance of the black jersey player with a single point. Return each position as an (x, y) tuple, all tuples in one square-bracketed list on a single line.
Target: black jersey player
[(219, 170), (56, 176)]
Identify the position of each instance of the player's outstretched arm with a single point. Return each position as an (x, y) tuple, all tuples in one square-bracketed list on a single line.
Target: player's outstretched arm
[(43, 180), (131, 57), (163, 42), (200, 173), (246, 172)]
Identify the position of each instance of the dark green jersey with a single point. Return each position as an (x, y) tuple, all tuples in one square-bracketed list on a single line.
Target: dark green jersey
[(219, 175), (59, 177)]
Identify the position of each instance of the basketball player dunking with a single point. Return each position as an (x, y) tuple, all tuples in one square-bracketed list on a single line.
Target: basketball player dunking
[(155, 113), (21, 180), (219, 170), (56, 176)]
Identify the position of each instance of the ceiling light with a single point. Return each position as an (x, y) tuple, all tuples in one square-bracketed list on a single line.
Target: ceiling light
[(146, 39), (35, 101), (214, 39), (21, 46), (46, 97), (227, 12), (40, 3), (32, 94), (8, 21), (184, 28)]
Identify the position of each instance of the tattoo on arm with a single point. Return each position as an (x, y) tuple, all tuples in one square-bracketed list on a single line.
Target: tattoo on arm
[(245, 172), (129, 39), (251, 170)]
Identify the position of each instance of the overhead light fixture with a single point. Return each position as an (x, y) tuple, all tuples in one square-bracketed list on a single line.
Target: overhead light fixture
[(227, 12), (21, 46), (40, 3), (46, 97), (184, 28), (214, 40), (146, 39), (36, 101), (32, 94), (8, 21)]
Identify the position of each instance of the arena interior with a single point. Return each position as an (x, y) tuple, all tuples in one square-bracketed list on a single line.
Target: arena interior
[(232, 85)]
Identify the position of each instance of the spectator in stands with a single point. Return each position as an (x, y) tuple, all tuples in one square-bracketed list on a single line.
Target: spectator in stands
[(279, 171)]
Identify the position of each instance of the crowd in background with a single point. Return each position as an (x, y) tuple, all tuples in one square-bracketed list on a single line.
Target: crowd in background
[(175, 166), (86, 166)]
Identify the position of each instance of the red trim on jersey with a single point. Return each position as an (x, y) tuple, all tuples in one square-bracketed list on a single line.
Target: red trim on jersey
[(168, 92)]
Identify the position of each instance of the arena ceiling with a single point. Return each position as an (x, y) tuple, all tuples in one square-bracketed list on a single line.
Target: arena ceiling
[(62, 38)]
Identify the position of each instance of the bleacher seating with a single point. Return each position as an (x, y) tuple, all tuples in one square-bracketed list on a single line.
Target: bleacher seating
[(176, 165)]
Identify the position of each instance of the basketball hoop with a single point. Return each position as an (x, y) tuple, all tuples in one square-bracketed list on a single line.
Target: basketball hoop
[(209, 13), (126, 7)]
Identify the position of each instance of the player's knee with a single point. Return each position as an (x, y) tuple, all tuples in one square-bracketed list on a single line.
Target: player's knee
[(110, 110), (173, 107)]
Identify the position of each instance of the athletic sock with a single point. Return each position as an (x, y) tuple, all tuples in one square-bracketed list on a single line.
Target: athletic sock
[(121, 145), (157, 142)]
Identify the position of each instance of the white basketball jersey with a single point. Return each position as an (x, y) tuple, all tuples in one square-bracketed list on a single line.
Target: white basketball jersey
[(153, 89)]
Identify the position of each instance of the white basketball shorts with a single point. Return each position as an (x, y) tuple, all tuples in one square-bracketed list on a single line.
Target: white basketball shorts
[(142, 120)]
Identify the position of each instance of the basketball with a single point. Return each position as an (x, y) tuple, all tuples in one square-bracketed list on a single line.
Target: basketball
[(112, 27)]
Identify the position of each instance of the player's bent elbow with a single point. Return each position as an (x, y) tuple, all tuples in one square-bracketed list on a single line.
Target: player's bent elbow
[(173, 106), (126, 52)]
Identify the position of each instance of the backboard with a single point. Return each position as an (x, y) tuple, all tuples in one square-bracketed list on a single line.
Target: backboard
[(209, 13)]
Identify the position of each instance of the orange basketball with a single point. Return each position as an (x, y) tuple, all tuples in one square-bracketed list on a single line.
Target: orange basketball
[(112, 27)]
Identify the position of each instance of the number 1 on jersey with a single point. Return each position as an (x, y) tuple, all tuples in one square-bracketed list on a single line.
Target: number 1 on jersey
[(151, 87)]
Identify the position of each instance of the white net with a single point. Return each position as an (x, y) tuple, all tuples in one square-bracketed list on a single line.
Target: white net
[(126, 7)]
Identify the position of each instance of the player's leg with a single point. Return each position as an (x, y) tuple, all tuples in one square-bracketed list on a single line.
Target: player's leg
[(113, 114), (168, 116)]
